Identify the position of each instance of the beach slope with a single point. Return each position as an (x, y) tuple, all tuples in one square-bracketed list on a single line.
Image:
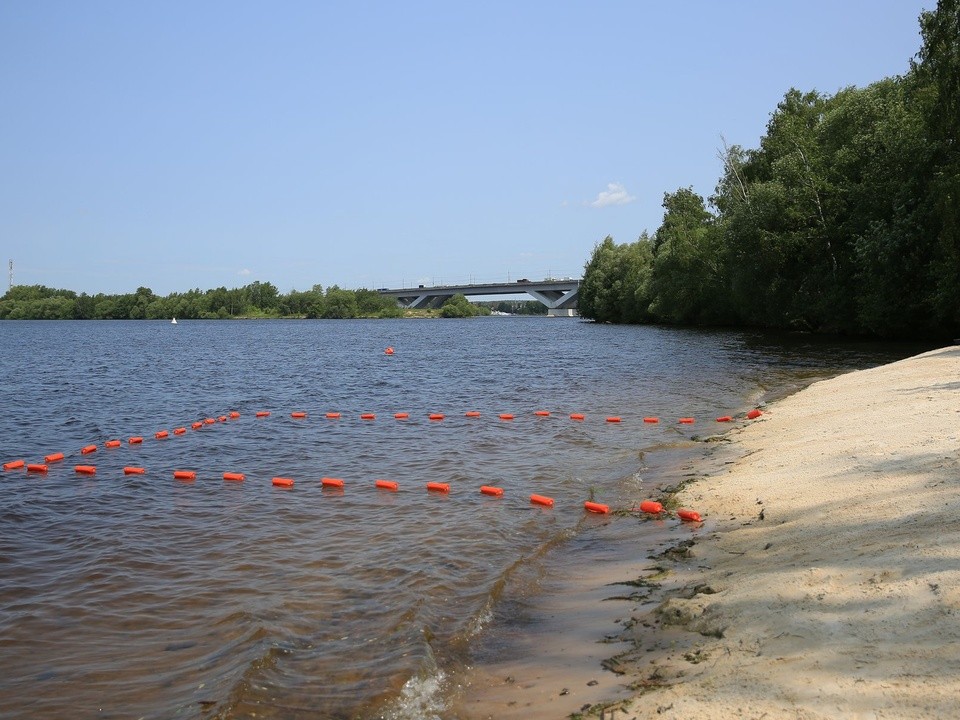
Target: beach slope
[(826, 580)]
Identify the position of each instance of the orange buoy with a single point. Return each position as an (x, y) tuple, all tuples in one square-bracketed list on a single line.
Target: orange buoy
[(438, 487), (387, 485), (724, 418), (112, 444), (298, 415), (136, 440), (86, 469), (596, 508), (754, 414), (541, 500), (388, 351), (331, 482), (197, 425), (208, 421), (36, 468), (88, 449), (471, 413), (161, 435), (577, 416), (401, 415), (53, 457), (222, 418), (542, 413), (129, 470), (613, 419), (686, 421), (651, 420), (263, 413), (651, 506), (689, 515), (283, 482), (368, 416), (13, 465), (436, 416), (234, 477), (234, 415), (184, 475), (179, 431), (490, 490), (506, 416), (333, 415)]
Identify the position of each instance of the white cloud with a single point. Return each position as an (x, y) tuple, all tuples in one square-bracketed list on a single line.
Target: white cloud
[(245, 271), (615, 194)]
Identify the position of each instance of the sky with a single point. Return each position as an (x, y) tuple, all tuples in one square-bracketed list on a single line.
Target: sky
[(179, 145)]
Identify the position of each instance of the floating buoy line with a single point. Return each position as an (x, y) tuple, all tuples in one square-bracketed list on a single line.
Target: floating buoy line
[(647, 507)]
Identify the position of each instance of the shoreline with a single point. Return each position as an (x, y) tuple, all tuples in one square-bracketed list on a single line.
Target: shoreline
[(824, 582)]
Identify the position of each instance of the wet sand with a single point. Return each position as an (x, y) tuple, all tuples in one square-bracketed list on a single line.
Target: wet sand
[(824, 582)]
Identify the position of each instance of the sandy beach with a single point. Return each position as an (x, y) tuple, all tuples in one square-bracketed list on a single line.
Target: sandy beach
[(825, 579)]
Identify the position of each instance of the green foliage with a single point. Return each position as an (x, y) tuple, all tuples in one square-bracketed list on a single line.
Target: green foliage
[(459, 307), (845, 219)]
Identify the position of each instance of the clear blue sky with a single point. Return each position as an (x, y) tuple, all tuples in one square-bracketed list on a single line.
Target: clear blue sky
[(177, 145)]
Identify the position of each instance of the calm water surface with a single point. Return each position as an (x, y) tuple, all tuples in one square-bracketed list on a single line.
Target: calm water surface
[(142, 596)]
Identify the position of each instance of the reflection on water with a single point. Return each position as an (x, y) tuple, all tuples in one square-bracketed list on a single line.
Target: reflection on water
[(138, 595)]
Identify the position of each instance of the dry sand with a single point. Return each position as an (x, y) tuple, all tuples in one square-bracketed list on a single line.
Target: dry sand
[(825, 582)]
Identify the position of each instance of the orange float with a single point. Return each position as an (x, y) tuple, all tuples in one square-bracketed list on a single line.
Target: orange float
[(86, 469), (651, 506), (472, 413), (161, 435), (613, 419), (283, 482), (388, 351), (208, 421), (368, 416), (725, 418), (222, 418), (686, 421), (53, 457), (88, 449), (112, 444), (689, 515), (491, 490), (754, 414), (541, 500), (36, 468), (438, 487), (234, 477), (506, 416), (401, 415), (179, 431), (436, 416), (184, 475), (387, 485), (262, 413), (331, 482), (333, 415), (577, 416), (596, 508), (234, 415), (136, 440), (651, 420), (298, 415), (197, 425), (129, 470), (542, 413), (13, 465)]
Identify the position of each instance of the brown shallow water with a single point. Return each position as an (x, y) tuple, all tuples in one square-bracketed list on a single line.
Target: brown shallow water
[(143, 596)]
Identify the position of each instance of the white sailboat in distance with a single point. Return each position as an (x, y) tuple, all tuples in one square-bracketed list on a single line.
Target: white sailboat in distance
[(173, 322)]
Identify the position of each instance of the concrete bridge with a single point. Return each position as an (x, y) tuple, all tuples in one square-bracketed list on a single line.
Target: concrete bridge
[(560, 296)]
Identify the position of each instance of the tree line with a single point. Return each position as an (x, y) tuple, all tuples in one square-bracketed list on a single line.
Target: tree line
[(846, 218)]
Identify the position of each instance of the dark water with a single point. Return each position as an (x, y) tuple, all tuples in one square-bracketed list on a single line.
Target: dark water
[(143, 596)]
